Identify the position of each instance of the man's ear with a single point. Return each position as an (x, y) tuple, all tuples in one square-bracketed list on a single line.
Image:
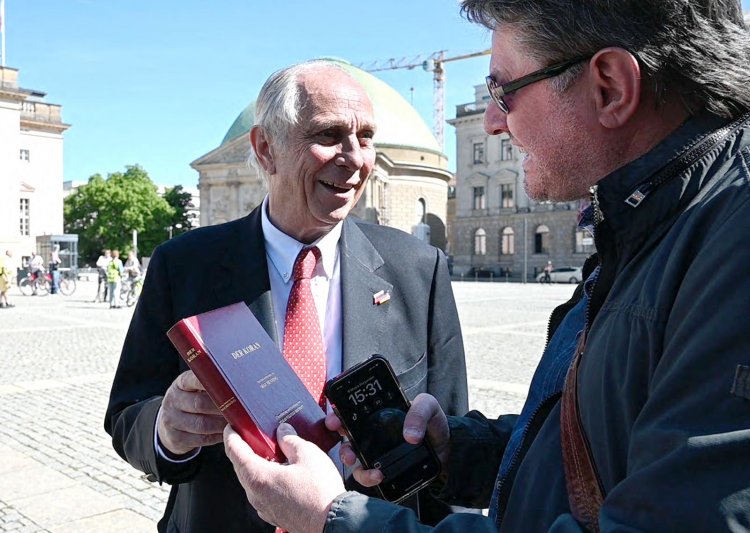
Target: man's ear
[(616, 77), (262, 147)]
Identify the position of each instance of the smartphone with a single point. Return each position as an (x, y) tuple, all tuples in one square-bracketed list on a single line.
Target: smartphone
[(372, 407)]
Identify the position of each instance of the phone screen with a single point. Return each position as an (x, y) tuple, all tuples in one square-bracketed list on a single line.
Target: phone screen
[(370, 403)]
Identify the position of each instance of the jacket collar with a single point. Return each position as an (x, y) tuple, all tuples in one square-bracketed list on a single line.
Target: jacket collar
[(629, 223), (242, 271)]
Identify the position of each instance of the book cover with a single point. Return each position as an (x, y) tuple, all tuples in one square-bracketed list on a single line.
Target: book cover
[(248, 378)]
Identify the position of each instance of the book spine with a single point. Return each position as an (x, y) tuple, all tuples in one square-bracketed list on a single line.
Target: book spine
[(194, 352)]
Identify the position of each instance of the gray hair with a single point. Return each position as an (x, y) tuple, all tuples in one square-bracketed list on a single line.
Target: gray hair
[(278, 105), (696, 49)]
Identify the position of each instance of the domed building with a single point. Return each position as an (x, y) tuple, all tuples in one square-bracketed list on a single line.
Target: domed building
[(408, 188)]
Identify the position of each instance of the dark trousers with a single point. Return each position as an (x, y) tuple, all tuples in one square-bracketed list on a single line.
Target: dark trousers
[(101, 289)]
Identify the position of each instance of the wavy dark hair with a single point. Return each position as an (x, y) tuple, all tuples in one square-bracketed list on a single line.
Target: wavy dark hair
[(698, 50)]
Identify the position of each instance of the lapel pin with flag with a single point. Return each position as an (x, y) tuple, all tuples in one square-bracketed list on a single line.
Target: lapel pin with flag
[(381, 297)]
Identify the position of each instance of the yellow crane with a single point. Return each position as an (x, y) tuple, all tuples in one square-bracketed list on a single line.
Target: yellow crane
[(430, 63)]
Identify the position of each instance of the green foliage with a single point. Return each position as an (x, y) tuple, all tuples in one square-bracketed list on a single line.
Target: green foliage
[(182, 202), (104, 213)]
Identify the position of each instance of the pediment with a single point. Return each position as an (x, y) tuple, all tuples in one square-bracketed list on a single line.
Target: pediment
[(477, 178), (505, 175), (25, 187), (383, 161), (235, 151)]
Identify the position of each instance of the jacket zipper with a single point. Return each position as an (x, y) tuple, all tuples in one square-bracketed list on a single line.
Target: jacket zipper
[(598, 219), (514, 459), (687, 158)]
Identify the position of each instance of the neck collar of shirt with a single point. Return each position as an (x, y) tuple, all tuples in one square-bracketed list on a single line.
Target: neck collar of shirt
[(282, 250)]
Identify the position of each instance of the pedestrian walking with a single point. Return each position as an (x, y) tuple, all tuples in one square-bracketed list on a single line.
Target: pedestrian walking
[(114, 278), (548, 272), (54, 265), (6, 277), (101, 267)]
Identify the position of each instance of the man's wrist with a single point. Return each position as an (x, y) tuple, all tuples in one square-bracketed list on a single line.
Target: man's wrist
[(164, 453)]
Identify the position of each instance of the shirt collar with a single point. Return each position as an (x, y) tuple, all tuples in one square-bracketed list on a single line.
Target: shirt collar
[(282, 249)]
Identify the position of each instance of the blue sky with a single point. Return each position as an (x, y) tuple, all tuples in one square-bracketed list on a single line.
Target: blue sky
[(158, 83)]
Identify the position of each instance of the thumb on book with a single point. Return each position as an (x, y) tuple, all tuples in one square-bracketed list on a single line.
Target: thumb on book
[(288, 446), (285, 429), (247, 465)]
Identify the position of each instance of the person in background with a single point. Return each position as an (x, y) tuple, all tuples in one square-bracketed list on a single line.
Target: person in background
[(638, 414), (132, 266), (101, 267), (115, 271), (36, 269), (54, 265), (548, 272), (313, 143), (6, 278)]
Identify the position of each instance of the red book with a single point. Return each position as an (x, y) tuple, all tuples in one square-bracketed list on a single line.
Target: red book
[(248, 379)]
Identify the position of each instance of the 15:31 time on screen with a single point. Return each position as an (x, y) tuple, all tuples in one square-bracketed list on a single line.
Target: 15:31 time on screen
[(360, 394)]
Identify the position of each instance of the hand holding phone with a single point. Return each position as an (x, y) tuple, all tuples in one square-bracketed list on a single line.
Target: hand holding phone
[(372, 408)]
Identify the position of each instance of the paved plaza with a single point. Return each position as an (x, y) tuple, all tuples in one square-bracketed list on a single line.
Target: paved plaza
[(58, 471)]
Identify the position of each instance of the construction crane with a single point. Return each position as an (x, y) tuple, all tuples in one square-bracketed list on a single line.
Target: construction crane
[(430, 63)]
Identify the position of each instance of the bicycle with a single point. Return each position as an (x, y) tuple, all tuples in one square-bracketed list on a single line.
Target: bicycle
[(39, 282), (131, 290), (67, 283)]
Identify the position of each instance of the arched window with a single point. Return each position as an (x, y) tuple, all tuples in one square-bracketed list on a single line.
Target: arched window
[(541, 240), (480, 242), (507, 241)]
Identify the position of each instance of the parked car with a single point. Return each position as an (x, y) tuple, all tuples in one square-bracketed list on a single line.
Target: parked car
[(566, 274)]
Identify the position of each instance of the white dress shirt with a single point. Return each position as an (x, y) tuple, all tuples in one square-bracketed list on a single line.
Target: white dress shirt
[(281, 252)]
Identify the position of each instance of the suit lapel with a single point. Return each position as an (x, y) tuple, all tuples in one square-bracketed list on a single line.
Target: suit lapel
[(243, 272), (364, 321)]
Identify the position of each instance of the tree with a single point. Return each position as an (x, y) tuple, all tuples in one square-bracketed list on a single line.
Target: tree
[(182, 203), (104, 213)]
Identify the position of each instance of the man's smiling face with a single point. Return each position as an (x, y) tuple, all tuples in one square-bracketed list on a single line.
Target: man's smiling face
[(321, 169)]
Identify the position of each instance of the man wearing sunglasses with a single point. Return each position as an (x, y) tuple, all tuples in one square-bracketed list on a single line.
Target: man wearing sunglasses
[(637, 416)]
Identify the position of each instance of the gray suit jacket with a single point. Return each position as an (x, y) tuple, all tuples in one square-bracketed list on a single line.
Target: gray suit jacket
[(417, 330)]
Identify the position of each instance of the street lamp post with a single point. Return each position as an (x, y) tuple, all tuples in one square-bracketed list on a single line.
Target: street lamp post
[(175, 226)]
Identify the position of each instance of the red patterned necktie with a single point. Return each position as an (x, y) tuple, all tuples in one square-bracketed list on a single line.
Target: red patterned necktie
[(303, 341)]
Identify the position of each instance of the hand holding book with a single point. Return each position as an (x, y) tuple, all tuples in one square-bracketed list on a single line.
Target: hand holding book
[(248, 379), (188, 418)]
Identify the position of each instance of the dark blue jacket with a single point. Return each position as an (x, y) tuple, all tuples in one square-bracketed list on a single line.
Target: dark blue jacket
[(664, 382)]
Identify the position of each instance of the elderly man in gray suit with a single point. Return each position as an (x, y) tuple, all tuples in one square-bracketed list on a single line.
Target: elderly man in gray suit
[(376, 290)]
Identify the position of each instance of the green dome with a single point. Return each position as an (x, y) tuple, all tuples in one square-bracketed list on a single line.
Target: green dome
[(241, 124), (399, 124)]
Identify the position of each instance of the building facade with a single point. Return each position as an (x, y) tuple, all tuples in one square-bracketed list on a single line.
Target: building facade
[(497, 229), (408, 188), (31, 166)]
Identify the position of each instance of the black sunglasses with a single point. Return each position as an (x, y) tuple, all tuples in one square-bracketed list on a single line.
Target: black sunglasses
[(497, 91)]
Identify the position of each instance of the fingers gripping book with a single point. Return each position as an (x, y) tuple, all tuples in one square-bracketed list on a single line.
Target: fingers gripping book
[(248, 378)]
